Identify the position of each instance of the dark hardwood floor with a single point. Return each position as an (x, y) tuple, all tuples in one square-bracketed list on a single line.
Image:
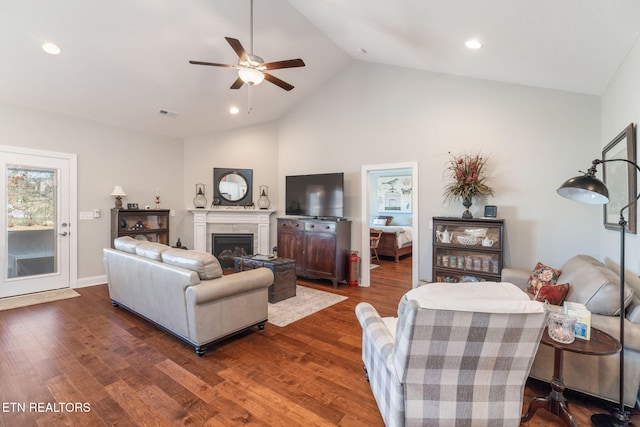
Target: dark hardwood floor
[(82, 362)]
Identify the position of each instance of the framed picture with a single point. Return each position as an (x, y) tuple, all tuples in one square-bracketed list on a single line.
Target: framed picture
[(132, 206), (620, 179), (394, 194)]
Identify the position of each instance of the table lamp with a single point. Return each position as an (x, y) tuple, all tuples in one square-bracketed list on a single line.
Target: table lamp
[(589, 189), (118, 192)]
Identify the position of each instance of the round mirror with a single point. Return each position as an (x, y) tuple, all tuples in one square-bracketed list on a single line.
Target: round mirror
[(233, 186)]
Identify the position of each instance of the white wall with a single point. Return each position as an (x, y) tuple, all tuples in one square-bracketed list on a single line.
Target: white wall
[(253, 147), (107, 156), (367, 114), (621, 106), (535, 139)]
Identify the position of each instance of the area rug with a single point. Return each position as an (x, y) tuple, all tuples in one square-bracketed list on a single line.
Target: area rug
[(37, 298), (307, 301)]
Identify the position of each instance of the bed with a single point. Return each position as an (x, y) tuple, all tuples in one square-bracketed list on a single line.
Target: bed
[(396, 241)]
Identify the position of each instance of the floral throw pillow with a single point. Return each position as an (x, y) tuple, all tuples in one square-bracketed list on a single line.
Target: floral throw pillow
[(554, 294), (542, 275)]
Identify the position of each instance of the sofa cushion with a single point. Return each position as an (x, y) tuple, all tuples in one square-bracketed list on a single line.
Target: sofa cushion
[(554, 294), (206, 265), (126, 244), (151, 250), (542, 275), (594, 285)]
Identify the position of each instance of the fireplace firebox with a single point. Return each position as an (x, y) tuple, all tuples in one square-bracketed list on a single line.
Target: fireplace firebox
[(226, 247)]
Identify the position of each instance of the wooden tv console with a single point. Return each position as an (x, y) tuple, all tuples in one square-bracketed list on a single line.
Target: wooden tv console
[(320, 247)]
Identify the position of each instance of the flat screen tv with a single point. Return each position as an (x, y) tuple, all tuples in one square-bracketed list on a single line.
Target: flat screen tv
[(319, 195)]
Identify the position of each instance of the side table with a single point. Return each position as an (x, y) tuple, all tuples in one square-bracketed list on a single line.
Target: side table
[(601, 344), (284, 273)]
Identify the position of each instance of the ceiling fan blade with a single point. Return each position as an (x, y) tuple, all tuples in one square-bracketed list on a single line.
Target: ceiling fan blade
[(288, 63), (237, 84), (213, 64), (276, 81), (237, 47)]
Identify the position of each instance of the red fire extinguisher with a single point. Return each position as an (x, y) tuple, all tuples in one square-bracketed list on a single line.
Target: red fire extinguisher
[(354, 269)]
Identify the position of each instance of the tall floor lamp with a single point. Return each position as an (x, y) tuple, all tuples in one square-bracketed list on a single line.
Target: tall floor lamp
[(589, 189)]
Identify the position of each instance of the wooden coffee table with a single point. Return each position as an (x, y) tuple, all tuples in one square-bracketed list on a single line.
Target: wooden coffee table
[(601, 344), (284, 274)]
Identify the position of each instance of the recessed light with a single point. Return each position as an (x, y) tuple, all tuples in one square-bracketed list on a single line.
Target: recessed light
[(51, 48), (473, 44), (234, 110)]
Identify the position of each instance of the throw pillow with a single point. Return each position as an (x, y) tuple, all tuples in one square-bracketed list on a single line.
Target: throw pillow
[(542, 275), (554, 294)]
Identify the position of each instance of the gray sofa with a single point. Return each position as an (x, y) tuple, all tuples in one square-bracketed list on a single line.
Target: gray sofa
[(184, 292), (594, 284)]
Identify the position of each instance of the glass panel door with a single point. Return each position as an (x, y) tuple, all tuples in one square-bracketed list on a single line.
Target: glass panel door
[(31, 211), (35, 228)]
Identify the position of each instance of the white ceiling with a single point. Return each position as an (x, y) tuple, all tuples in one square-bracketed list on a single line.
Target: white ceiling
[(124, 60)]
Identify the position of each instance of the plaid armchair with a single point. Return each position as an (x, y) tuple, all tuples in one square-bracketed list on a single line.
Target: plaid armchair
[(458, 354)]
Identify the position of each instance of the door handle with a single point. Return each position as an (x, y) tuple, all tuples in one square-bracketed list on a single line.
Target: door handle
[(64, 233)]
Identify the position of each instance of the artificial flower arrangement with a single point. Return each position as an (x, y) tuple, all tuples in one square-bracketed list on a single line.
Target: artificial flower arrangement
[(468, 177)]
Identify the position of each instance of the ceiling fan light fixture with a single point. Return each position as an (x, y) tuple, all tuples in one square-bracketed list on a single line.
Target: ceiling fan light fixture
[(251, 76)]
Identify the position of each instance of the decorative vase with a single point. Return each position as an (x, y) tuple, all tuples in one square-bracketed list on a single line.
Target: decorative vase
[(200, 201), (263, 201), (466, 202)]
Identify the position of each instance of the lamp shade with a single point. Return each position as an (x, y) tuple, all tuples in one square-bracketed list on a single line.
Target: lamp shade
[(118, 191), (251, 76), (585, 189)]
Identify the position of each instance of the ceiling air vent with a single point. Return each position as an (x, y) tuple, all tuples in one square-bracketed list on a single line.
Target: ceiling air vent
[(167, 113)]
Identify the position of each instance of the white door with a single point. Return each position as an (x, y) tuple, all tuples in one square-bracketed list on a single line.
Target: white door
[(36, 228)]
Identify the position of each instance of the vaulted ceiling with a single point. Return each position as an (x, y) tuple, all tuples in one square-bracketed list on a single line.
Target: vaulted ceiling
[(122, 61)]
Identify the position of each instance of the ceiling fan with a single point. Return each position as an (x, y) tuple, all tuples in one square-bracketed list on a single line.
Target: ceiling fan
[(252, 69)]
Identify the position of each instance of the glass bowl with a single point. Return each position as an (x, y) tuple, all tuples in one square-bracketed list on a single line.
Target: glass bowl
[(561, 327)]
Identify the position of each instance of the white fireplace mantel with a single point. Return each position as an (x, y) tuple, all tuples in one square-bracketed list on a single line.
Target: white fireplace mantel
[(204, 221)]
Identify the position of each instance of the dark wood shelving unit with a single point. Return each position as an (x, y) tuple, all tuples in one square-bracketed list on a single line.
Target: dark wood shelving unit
[(467, 249), (150, 225)]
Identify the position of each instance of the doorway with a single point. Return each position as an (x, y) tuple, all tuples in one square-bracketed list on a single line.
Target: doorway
[(396, 169), (38, 190)]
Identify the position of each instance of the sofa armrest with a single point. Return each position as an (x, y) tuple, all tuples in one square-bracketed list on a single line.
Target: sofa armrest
[(376, 337), (516, 276), (611, 325), (228, 285)]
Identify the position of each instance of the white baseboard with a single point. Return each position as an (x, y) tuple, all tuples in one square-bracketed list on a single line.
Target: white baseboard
[(91, 281)]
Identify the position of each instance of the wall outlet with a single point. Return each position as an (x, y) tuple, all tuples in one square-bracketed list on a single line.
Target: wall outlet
[(172, 212), (96, 213), (86, 215)]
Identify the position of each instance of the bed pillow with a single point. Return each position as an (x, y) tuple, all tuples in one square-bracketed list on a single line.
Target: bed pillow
[(381, 220), (542, 275), (205, 264), (553, 294), (378, 221)]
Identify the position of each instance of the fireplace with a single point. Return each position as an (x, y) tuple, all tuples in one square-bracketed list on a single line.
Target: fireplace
[(226, 246), (231, 219)]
